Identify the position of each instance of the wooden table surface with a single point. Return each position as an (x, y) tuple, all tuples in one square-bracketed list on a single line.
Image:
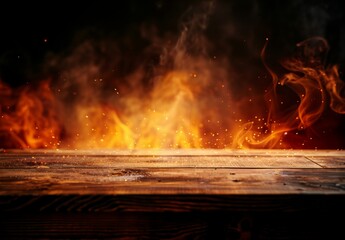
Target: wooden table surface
[(172, 172), (291, 183)]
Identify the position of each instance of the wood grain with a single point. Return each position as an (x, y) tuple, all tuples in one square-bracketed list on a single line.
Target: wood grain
[(303, 225), (146, 161), (267, 204), (165, 194), (55, 181), (175, 152), (329, 161)]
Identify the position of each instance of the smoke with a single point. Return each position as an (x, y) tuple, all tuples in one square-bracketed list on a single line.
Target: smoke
[(172, 83)]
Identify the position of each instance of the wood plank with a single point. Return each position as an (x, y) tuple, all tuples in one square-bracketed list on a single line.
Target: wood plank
[(8, 161), (87, 203), (329, 161), (220, 225), (47, 181), (202, 194), (106, 226), (176, 152)]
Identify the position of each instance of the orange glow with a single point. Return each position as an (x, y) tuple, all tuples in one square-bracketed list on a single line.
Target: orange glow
[(28, 118), (316, 86), (170, 116), (188, 106)]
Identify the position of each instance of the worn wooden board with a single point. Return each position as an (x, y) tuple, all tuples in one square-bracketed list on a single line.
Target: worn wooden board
[(329, 161), (147, 161), (176, 152), (214, 172), (56, 181), (168, 225), (168, 194)]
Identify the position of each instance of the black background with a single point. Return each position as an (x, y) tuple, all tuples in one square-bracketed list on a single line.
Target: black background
[(25, 25)]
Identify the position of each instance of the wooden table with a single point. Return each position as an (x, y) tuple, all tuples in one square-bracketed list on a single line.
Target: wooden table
[(172, 194)]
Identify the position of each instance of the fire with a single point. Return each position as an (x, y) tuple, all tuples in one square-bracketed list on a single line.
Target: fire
[(166, 120), (28, 118), (188, 105), (316, 86), (101, 127), (172, 117)]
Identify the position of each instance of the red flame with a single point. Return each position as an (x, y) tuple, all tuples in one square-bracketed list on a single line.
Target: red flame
[(317, 87), (28, 118)]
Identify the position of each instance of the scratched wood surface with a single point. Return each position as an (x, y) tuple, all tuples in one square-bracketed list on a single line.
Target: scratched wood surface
[(167, 194), (201, 172)]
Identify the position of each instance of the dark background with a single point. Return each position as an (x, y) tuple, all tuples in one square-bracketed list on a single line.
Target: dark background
[(237, 29)]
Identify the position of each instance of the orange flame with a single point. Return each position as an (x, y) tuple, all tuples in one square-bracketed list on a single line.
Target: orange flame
[(313, 83), (28, 118), (169, 117), (187, 107)]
